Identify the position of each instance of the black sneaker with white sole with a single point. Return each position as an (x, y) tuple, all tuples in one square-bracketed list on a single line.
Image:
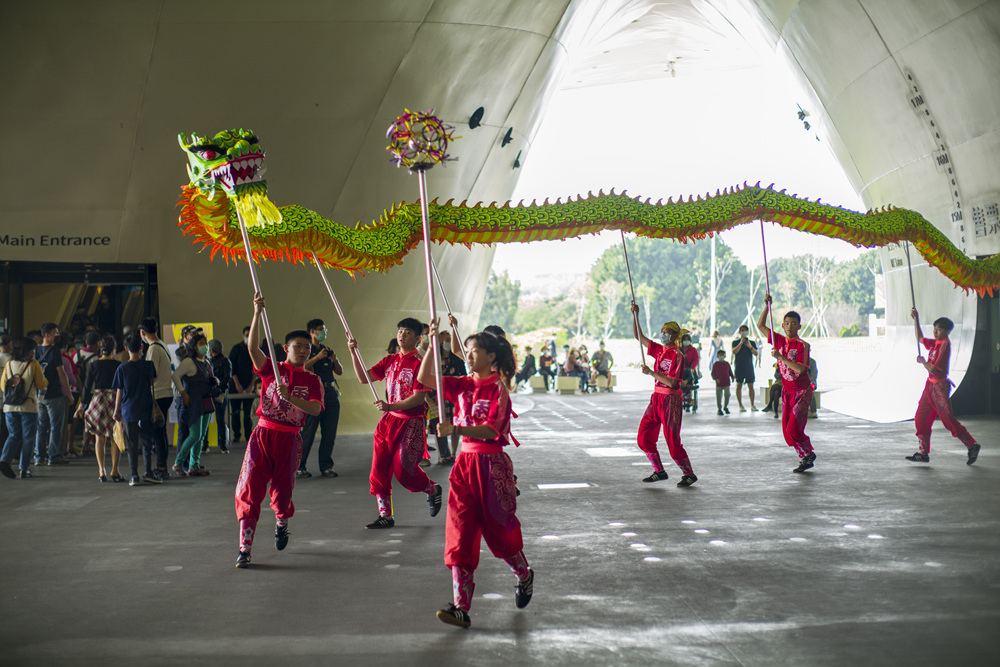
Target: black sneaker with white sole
[(973, 454), (806, 462), (381, 522), (280, 536), (524, 589), (918, 458), (434, 500), (656, 476), (243, 560), (452, 615), (687, 480)]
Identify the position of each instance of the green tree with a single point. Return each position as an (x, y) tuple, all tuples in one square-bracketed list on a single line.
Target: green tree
[(500, 304), (671, 272)]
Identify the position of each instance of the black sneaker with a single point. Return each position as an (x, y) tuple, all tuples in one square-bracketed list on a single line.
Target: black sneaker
[(687, 480), (921, 458), (656, 476), (151, 478), (720, 413), (135, 480), (302, 473), (25, 474), (243, 560), (58, 462), (452, 615), (726, 410), (524, 589), (973, 454), (161, 474), (329, 472), (280, 536), (6, 470), (382, 522), (805, 463), (434, 500)]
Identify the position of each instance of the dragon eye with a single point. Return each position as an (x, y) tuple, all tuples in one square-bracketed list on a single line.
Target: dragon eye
[(208, 155)]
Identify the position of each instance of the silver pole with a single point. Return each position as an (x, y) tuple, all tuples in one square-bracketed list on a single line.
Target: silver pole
[(343, 321), (426, 224), (447, 305), (256, 288)]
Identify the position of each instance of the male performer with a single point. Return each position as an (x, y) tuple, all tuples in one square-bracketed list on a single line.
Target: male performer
[(400, 439), (274, 447), (935, 401), (792, 354)]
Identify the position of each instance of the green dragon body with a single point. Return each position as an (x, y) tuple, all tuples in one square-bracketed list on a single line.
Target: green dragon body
[(233, 162)]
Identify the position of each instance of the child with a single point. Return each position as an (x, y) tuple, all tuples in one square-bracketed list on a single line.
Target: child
[(722, 373), (792, 354), (275, 446), (400, 439), (935, 401), (134, 406), (665, 403), (481, 498)]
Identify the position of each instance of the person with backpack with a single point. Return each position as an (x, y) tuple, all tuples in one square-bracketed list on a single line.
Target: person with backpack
[(21, 381), (163, 391)]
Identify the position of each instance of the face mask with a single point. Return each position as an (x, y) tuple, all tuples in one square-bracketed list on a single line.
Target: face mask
[(321, 336), (686, 343), (246, 340), (203, 350), (664, 338)]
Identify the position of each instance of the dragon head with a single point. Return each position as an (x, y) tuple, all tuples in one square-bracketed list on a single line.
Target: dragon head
[(233, 161)]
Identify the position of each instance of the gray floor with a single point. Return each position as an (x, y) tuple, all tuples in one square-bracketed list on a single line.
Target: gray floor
[(869, 559)]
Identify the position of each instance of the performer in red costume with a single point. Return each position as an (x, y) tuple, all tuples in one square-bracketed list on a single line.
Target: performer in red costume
[(664, 408), (275, 446), (400, 439), (792, 354), (481, 496), (936, 401)]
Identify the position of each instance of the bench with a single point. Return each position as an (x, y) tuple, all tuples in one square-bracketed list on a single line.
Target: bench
[(605, 383), (537, 384), (567, 384)]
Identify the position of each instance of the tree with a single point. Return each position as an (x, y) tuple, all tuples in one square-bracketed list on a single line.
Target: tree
[(817, 272), (645, 294), (612, 293), (500, 304), (670, 269)]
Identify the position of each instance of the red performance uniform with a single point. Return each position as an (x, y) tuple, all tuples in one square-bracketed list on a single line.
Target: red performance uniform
[(665, 410), (400, 438), (274, 448), (936, 399), (481, 496), (796, 392)]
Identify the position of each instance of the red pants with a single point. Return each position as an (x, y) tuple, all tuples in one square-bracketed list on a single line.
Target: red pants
[(399, 446), (665, 410), (936, 402), (272, 457), (794, 413), (481, 504)]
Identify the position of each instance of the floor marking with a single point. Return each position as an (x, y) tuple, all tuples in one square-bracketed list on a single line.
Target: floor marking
[(628, 534), (651, 559), (67, 503), (566, 485), (492, 596), (392, 566), (607, 452), (717, 542), (701, 531), (550, 537)]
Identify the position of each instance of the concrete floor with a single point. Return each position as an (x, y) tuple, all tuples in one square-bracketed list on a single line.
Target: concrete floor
[(868, 559)]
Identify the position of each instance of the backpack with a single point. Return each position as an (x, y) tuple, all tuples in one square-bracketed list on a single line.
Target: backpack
[(15, 393)]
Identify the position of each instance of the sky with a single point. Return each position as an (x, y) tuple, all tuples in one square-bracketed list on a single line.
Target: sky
[(671, 137)]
